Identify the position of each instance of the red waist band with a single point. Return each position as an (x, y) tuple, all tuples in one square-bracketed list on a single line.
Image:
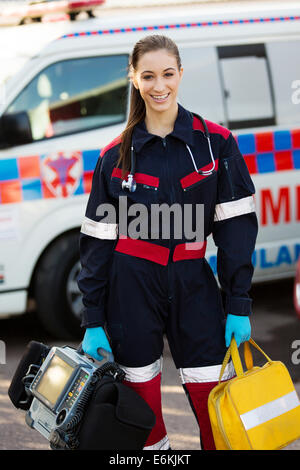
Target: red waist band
[(160, 254), (191, 250)]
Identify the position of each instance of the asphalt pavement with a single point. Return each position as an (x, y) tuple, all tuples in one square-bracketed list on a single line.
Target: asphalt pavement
[(275, 328)]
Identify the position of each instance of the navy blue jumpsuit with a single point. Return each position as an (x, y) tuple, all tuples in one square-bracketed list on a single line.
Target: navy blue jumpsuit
[(141, 289)]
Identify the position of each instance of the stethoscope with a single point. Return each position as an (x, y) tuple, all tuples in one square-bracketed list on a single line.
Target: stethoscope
[(130, 184)]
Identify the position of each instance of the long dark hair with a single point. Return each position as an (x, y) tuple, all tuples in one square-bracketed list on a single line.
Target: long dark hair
[(137, 110)]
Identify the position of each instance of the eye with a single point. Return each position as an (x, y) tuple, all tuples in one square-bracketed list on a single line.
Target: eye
[(169, 74), (147, 77)]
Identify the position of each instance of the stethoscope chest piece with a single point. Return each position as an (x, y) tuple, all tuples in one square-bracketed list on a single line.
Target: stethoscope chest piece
[(130, 184)]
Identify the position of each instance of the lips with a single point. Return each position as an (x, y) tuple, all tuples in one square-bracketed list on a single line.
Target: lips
[(160, 98)]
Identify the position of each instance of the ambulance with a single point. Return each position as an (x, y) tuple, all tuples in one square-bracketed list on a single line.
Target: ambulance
[(23, 12), (241, 70)]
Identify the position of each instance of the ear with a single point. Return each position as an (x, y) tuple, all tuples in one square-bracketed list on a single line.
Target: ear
[(134, 82), (132, 78)]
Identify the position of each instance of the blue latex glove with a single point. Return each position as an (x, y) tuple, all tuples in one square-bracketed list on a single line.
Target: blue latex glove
[(94, 340), (239, 326)]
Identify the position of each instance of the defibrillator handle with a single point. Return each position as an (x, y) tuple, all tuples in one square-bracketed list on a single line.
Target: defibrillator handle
[(108, 356)]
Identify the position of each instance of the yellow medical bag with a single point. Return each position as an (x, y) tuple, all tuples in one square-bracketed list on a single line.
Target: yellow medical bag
[(256, 410)]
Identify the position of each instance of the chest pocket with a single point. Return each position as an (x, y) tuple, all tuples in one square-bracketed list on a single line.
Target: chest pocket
[(146, 191), (235, 181), (199, 188)]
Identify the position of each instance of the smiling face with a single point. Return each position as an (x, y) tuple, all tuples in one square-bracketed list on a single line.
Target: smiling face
[(157, 77)]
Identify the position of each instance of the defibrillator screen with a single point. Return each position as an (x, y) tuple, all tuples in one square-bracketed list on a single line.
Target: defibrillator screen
[(54, 380)]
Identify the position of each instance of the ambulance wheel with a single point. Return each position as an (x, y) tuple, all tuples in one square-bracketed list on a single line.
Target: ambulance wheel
[(58, 299), (73, 16), (26, 20)]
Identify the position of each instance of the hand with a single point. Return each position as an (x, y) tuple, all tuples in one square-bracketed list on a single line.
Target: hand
[(95, 339), (239, 326)]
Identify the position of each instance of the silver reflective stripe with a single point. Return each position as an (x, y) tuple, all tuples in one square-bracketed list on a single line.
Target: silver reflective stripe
[(163, 444), (142, 374), (206, 374), (226, 210), (270, 410), (99, 229)]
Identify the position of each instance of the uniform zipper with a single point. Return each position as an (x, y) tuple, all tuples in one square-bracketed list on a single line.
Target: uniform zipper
[(229, 178), (172, 199), (164, 142)]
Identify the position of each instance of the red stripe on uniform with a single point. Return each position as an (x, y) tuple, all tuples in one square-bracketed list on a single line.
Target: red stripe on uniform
[(213, 127), (142, 249), (141, 178), (194, 177), (117, 173), (146, 179), (197, 124), (157, 253), (191, 250), (112, 144)]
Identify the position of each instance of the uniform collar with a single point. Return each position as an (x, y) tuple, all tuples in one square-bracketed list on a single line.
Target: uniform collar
[(183, 130)]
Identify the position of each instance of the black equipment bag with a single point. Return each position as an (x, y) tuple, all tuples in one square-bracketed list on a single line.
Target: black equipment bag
[(33, 356), (117, 418)]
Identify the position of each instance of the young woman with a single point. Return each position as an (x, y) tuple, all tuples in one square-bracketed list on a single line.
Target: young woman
[(141, 288)]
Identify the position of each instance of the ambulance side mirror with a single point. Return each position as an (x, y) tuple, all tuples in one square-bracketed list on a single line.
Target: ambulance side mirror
[(15, 130)]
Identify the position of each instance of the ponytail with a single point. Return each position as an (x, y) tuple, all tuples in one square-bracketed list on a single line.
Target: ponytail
[(137, 113)]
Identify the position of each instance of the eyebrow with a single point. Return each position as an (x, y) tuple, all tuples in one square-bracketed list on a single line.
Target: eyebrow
[(150, 71)]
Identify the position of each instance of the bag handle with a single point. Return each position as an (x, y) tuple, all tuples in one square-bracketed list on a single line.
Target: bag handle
[(237, 363)]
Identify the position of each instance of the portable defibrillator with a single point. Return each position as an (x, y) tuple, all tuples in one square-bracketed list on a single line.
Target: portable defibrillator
[(76, 404)]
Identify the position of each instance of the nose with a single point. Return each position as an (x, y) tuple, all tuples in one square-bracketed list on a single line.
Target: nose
[(159, 85)]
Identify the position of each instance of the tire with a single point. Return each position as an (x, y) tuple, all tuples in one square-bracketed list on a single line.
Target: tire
[(26, 20), (56, 292), (73, 16)]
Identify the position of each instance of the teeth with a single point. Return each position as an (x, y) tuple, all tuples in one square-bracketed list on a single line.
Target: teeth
[(160, 97)]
